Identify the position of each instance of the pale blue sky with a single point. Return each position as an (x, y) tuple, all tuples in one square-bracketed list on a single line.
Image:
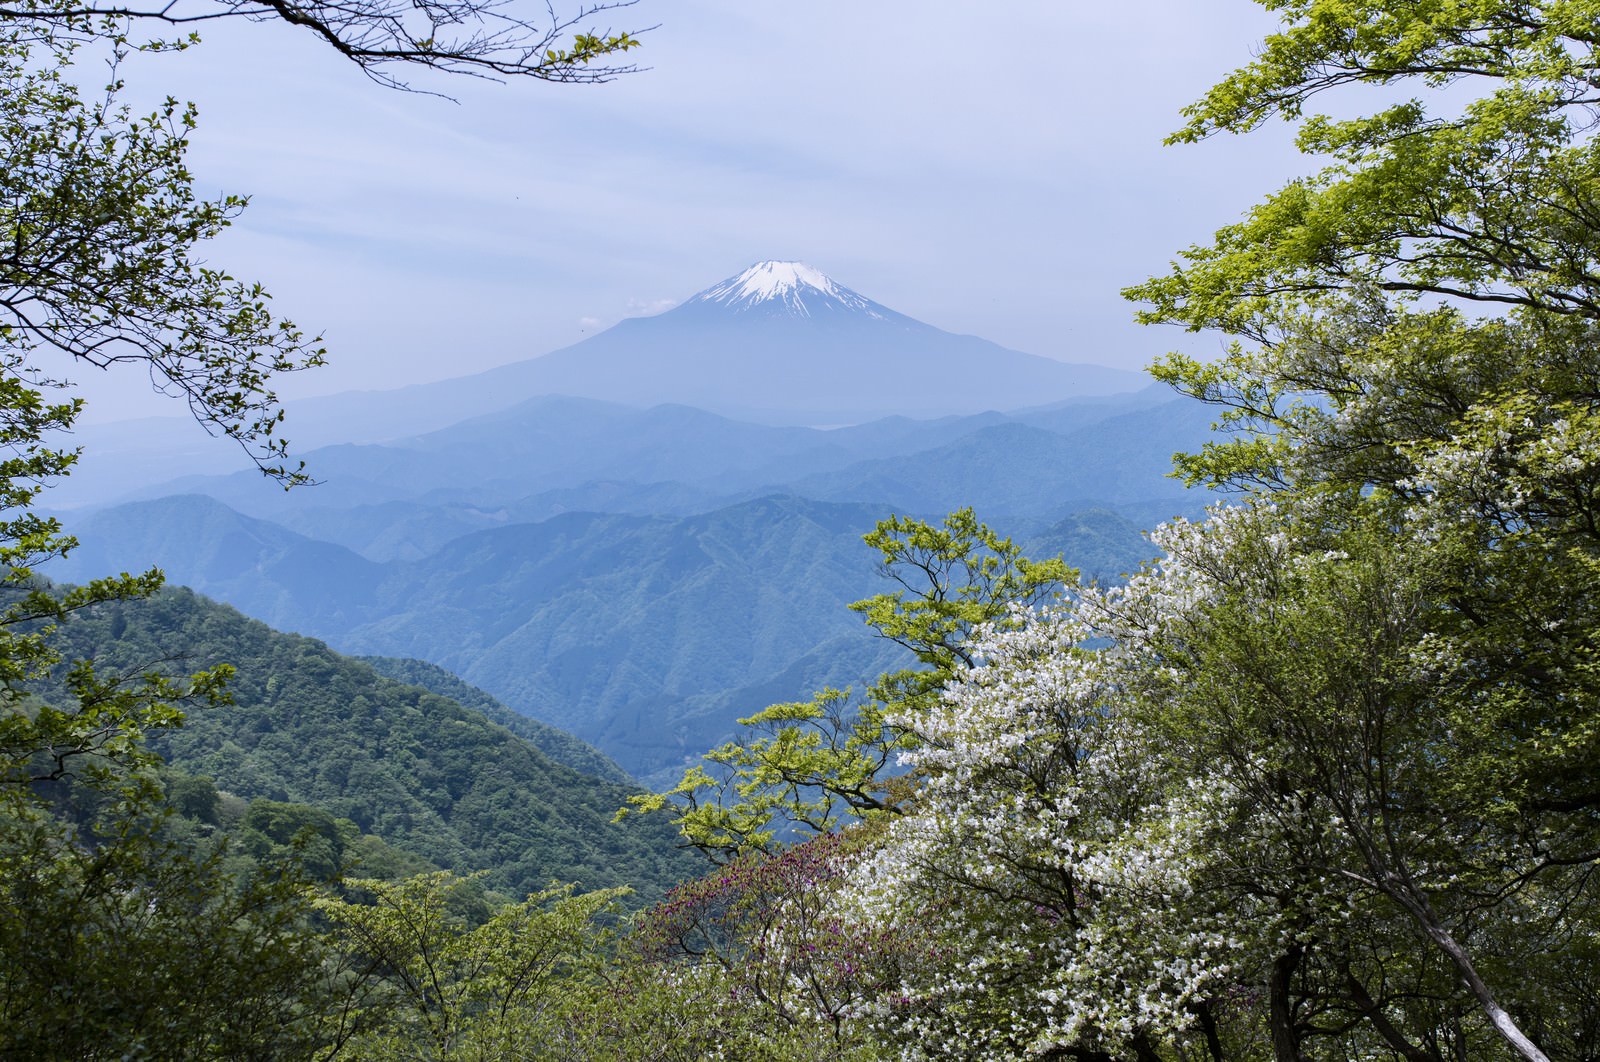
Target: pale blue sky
[(992, 168)]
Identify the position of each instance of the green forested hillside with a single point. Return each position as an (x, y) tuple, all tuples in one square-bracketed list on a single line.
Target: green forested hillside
[(414, 768), (559, 745), (1101, 544)]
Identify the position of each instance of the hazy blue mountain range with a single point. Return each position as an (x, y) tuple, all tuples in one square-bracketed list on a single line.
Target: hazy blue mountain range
[(646, 636), (553, 455), (778, 344), (618, 628)]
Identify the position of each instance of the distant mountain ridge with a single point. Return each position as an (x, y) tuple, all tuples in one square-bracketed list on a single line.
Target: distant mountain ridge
[(552, 455), (784, 343), (780, 343)]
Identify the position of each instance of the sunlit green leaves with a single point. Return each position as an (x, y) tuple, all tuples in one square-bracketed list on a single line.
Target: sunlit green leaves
[(808, 767)]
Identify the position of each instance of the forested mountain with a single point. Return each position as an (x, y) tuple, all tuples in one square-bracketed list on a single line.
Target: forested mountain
[(555, 743), (416, 769), (632, 632)]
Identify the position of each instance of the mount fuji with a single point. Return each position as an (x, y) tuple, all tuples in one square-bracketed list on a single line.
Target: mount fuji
[(780, 343), (783, 342)]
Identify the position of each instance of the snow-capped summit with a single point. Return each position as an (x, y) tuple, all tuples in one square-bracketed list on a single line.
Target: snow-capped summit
[(793, 286), (784, 343)]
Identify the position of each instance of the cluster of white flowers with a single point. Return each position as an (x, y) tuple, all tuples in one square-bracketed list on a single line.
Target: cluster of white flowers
[(1083, 876), (1049, 847)]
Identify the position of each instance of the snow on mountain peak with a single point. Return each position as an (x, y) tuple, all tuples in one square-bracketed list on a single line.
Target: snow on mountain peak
[(795, 285)]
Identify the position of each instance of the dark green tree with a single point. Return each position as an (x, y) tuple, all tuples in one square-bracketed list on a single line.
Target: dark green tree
[(120, 941)]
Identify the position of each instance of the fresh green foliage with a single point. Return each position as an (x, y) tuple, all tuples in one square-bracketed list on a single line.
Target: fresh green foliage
[(811, 766), (128, 931), (102, 223), (118, 941), (119, 936), (423, 979), (1485, 196), (953, 578), (1437, 468)]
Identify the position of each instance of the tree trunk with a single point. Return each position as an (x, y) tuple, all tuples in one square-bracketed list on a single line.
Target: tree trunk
[(1399, 889), (1380, 1021), (1285, 1037)]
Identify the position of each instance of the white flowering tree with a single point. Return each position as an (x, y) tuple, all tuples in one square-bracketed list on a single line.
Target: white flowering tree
[(808, 768), (1236, 826), (1044, 856)]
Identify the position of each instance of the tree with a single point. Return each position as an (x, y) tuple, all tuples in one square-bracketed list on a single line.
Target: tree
[(1489, 201), (121, 938), (1046, 861), (763, 944), (1224, 827), (811, 766), (117, 936), (1357, 298), (1320, 783), (423, 981), (494, 39)]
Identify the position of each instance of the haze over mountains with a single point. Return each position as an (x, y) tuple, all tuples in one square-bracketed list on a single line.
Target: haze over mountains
[(779, 344), (647, 535)]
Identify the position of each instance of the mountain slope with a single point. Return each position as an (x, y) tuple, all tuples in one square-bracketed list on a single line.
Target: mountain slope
[(606, 626), (560, 746), (610, 627), (1016, 474), (271, 573), (414, 768), (553, 455)]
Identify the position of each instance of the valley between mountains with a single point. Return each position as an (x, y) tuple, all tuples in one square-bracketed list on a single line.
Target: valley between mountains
[(643, 577)]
